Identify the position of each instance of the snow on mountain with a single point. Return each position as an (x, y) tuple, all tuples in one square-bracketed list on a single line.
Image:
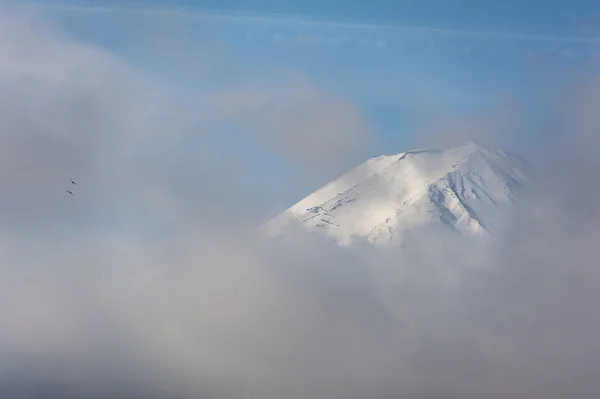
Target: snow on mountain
[(387, 200)]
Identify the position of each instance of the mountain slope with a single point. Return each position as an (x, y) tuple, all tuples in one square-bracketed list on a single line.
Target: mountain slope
[(468, 189)]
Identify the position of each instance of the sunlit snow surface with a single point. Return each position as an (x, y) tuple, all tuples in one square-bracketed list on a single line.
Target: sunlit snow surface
[(391, 199)]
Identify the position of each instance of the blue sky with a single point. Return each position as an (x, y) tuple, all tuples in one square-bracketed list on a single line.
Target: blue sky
[(391, 59)]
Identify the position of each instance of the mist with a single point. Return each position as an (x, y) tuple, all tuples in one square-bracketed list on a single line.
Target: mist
[(152, 282)]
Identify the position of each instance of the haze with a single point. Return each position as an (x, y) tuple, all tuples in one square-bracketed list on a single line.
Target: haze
[(185, 129)]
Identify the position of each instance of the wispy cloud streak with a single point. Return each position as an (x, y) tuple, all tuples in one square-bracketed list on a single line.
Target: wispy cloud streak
[(281, 19)]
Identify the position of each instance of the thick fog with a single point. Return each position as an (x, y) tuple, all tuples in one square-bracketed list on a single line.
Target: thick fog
[(151, 281)]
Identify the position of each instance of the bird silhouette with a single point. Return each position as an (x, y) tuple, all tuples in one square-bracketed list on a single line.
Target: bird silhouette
[(70, 193), (74, 182)]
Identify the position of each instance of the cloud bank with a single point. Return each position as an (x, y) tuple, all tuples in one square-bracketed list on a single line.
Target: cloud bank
[(146, 285)]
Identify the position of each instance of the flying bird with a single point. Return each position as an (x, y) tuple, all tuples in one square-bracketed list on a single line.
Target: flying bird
[(74, 182), (70, 193)]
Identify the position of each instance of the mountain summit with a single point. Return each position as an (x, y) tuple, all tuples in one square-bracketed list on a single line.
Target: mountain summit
[(468, 189)]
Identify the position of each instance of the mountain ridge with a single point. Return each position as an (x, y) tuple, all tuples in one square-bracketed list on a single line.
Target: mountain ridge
[(468, 189)]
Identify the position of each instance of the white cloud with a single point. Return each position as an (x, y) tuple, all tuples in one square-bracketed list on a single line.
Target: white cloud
[(318, 130), (70, 110), (209, 311)]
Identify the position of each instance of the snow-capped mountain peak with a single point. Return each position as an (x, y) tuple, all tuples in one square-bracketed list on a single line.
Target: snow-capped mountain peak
[(389, 199)]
